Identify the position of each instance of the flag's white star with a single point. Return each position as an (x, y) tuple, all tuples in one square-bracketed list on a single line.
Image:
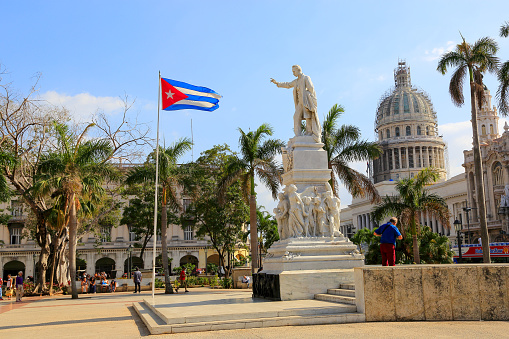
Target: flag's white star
[(169, 94)]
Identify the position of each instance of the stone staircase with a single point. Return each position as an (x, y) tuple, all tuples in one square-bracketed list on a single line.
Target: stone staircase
[(345, 294)]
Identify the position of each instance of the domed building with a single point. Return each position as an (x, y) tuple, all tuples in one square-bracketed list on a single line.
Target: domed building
[(406, 126)]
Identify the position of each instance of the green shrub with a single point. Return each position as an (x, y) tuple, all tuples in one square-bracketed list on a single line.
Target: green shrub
[(159, 283), (191, 280), (214, 281), (202, 281), (211, 268), (227, 282)]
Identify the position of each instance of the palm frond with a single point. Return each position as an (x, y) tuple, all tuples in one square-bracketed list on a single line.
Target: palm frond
[(456, 85), (504, 30), (503, 89), (270, 148), (450, 59), (329, 121), (356, 183)]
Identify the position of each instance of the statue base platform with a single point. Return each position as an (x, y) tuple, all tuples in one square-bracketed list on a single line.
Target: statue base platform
[(299, 268)]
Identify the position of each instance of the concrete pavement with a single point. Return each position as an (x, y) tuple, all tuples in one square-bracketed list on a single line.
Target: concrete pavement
[(112, 316)]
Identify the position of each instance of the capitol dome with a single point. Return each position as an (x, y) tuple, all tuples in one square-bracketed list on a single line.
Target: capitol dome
[(406, 127)]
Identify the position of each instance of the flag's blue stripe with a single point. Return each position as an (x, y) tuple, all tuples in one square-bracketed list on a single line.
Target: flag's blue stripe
[(189, 86), (200, 98), (175, 107)]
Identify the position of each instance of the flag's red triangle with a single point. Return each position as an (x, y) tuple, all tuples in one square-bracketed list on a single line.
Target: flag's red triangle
[(170, 94)]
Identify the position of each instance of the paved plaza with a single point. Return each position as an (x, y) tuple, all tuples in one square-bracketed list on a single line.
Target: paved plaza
[(113, 316)]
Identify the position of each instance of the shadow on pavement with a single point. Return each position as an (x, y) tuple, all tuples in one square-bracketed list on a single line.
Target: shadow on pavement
[(54, 323)]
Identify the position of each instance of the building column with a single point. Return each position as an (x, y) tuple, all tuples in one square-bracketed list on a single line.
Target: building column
[(433, 160), (393, 159), (407, 152)]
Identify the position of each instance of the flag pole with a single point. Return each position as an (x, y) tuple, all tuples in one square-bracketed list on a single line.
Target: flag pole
[(155, 203), (192, 142)]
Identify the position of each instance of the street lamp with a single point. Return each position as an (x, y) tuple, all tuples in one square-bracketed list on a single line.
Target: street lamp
[(129, 260), (466, 210), (457, 227)]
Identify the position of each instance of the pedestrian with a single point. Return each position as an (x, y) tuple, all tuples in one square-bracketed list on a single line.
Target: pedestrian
[(92, 283), (84, 284), (9, 286), (388, 233), (137, 280), (183, 280), (1, 283), (19, 286), (220, 271)]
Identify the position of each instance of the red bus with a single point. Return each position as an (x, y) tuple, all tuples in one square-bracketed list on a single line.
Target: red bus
[(499, 250)]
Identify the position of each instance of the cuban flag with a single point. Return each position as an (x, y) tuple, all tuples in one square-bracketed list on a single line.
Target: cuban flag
[(179, 95)]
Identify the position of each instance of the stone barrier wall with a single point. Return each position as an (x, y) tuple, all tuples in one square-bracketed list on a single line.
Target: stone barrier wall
[(433, 292)]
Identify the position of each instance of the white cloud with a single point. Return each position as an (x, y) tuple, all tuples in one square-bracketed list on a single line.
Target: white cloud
[(437, 52), (84, 105)]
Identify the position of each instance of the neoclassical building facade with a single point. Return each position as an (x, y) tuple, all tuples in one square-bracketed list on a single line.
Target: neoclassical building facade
[(404, 155)]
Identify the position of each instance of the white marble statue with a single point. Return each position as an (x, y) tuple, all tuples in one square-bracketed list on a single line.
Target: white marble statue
[(281, 213), (305, 103), (296, 213), (332, 210), (504, 200), (307, 212)]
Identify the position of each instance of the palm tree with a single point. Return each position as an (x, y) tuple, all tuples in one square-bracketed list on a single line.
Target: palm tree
[(168, 181), (256, 159), (412, 200), (503, 78), (343, 146), (473, 60), (74, 173)]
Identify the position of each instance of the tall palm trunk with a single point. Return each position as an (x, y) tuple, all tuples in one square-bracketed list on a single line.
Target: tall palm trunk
[(164, 249), (253, 228), (73, 228), (478, 172), (415, 244)]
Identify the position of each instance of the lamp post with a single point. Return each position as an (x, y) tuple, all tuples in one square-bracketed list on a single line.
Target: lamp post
[(467, 210), (129, 260), (457, 227)]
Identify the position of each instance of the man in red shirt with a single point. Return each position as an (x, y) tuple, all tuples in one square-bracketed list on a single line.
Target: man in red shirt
[(183, 281)]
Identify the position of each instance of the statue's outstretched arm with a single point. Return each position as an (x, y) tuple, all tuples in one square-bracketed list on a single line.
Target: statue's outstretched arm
[(283, 84)]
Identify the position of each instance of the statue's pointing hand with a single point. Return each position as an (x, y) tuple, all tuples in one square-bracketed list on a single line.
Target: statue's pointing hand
[(273, 81)]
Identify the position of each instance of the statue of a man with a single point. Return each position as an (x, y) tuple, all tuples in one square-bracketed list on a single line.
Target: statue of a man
[(305, 103)]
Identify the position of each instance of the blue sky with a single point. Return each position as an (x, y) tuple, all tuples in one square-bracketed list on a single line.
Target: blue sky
[(90, 53)]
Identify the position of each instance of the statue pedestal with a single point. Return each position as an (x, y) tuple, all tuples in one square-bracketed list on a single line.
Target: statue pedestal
[(312, 255)]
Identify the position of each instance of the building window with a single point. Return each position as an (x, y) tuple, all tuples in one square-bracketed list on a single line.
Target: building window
[(188, 233), (397, 131), (186, 203), (16, 209), (491, 130), (105, 233), (483, 130), (418, 130), (396, 105), (406, 104), (132, 235), (408, 131), (388, 133), (15, 235), (498, 175), (416, 105), (427, 130)]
